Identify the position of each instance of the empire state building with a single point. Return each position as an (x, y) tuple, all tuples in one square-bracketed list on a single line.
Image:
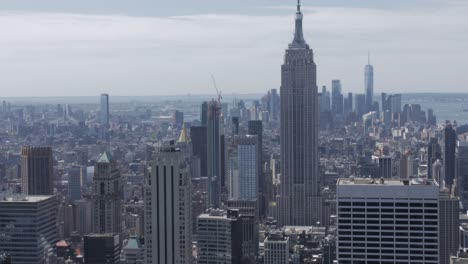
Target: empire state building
[(299, 200)]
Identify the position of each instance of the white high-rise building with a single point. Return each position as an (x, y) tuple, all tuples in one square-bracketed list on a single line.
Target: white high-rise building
[(168, 209), (387, 221), (299, 201), (244, 182), (107, 196), (28, 228)]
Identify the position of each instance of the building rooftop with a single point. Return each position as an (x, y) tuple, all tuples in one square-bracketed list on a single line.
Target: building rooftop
[(24, 198), (385, 182), (106, 157)]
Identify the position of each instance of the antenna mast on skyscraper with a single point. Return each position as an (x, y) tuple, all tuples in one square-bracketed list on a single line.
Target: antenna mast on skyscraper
[(368, 57), (299, 6)]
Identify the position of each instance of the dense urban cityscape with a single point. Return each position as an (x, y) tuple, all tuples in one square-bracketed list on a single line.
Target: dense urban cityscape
[(301, 174)]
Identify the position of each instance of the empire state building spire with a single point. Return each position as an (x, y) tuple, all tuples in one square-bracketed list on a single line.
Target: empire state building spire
[(298, 41)]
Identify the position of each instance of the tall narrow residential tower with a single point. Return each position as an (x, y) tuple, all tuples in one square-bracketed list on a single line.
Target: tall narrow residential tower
[(369, 84), (299, 200), (213, 144)]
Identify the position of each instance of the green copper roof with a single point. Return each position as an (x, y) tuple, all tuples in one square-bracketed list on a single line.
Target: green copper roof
[(106, 157)]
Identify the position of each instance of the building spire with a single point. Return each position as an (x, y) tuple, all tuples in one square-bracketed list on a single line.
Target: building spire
[(368, 57), (298, 41)]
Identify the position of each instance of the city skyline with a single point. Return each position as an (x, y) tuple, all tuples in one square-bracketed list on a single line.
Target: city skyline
[(122, 52), (288, 174)]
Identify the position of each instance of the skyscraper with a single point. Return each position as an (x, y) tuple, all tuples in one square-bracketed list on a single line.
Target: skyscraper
[(449, 224), (360, 104), (213, 154), (299, 201), (369, 84), (101, 248), (433, 153), (325, 100), (204, 114), (450, 143), (37, 172), (244, 183), (76, 176), (104, 114), (168, 209), (387, 221), (462, 173), (28, 228), (199, 139), (219, 237), (337, 98), (255, 127), (107, 196)]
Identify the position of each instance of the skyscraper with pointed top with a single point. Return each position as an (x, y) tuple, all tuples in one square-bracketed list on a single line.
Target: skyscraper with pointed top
[(299, 200), (369, 84)]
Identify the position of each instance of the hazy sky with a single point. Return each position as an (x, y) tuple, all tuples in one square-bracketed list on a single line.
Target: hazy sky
[(155, 47)]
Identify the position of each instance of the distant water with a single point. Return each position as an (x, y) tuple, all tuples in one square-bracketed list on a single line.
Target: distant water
[(448, 106)]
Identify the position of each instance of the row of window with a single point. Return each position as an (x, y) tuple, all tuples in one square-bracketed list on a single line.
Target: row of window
[(401, 216), (387, 210), (389, 204)]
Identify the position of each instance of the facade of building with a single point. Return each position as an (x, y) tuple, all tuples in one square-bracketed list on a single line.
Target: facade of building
[(249, 214), (213, 155), (449, 227), (434, 153), (369, 85), (450, 144), (101, 248), (387, 221), (243, 170), (360, 103), (104, 110), (219, 237), (28, 225), (107, 196), (276, 249), (337, 97), (462, 173), (385, 167), (76, 176), (199, 139), (132, 252), (299, 200), (168, 208), (255, 127), (37, 170)]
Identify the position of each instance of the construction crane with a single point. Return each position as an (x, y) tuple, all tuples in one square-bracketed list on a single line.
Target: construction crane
[(217, 91)]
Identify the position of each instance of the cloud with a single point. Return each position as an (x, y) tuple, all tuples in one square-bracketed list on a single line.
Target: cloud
[(59, 54)]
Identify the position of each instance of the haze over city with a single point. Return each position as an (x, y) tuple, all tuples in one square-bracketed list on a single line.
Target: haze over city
[(78, 48), (233, 132)]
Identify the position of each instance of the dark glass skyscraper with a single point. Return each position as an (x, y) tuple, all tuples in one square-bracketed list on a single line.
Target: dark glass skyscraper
[(299, 201), (37, 172), (450, 143), (213, 143)]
